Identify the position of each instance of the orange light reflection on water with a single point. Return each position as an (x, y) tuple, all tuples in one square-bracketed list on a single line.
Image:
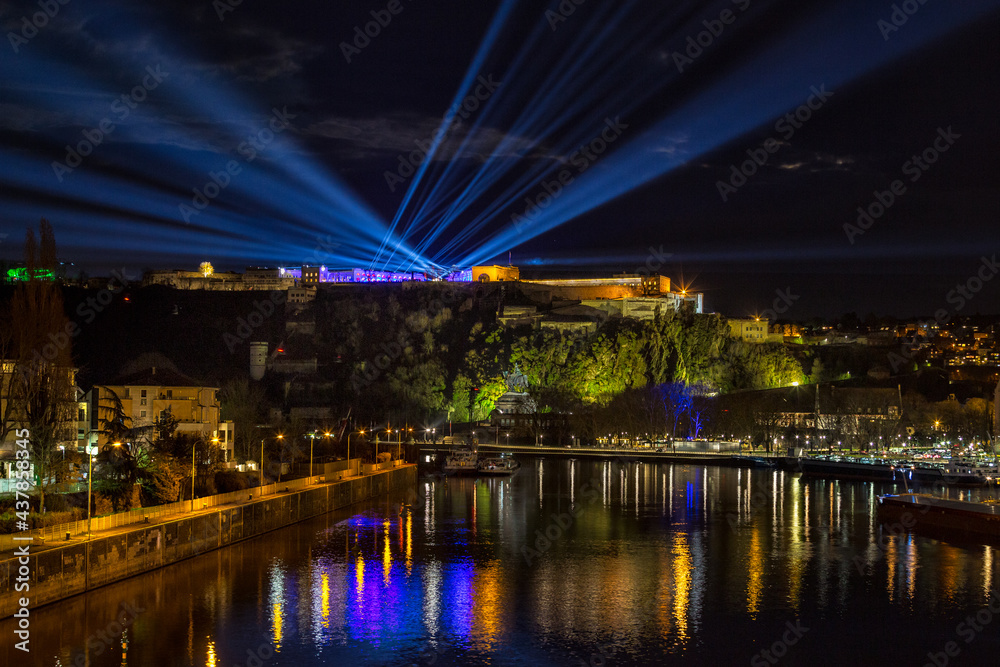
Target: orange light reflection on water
[(682, 567), (755, 573), (487, 591)]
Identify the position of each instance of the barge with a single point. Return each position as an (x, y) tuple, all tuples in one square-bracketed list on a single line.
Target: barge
[(848, 469), (942, 516)]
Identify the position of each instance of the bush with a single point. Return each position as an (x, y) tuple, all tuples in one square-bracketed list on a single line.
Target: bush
[(228, 481), (203, 487), (8, 520), (55, 502)]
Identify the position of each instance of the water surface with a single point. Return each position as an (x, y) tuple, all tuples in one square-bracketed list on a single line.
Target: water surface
[(567, 563)]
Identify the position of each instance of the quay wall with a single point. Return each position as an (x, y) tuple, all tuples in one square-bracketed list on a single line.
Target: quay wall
[(59, 572)]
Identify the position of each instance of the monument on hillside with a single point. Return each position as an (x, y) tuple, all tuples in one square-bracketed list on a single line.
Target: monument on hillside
[(516, 400)]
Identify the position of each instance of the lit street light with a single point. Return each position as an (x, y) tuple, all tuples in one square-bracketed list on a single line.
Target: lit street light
[(90, 481), (312, 441), (281, 455), (362, 432), (194, 447)]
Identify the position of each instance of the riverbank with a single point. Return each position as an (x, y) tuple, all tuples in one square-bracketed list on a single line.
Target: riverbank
[(53, 572), (725, 457)]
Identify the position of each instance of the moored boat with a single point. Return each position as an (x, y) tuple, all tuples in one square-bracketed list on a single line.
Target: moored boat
[(745, 461), (941, 516), (498, 465), (957, 472), (862, 469), (461, 462)]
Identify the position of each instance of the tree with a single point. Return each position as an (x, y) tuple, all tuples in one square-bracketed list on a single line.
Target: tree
[(242, 401), (117, 476), (43, 391), (676, 399)]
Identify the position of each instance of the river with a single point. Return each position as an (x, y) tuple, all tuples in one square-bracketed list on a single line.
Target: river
[(570, 562)]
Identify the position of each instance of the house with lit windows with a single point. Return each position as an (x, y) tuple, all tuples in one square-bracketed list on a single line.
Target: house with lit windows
[(153, 394)]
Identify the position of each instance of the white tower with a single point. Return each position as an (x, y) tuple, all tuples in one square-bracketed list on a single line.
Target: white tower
[(258, 360)]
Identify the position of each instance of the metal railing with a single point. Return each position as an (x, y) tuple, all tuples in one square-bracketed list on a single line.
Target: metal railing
[(330, 472)]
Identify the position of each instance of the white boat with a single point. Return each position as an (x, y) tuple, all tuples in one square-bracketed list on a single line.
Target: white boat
[(461, 462), (498, 465), (967, 471)]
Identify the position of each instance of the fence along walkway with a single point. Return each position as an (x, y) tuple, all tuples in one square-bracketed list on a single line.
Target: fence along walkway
[(331, 472)]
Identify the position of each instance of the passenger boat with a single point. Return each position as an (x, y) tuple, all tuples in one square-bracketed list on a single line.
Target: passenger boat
[(843, 468), (942, 516), (957, 472), (461, 462), (498, 465), (967, 471)]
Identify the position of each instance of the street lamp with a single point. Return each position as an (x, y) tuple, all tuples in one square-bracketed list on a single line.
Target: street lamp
[(194, 447), (281, 455), (312, 441), (90, 481), (362, 432), (399, 442)]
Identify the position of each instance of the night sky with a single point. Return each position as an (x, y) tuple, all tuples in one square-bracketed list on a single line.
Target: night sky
[(576, 137)]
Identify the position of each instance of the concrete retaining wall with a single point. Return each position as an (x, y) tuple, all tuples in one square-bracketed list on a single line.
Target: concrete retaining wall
[(60, 572)]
